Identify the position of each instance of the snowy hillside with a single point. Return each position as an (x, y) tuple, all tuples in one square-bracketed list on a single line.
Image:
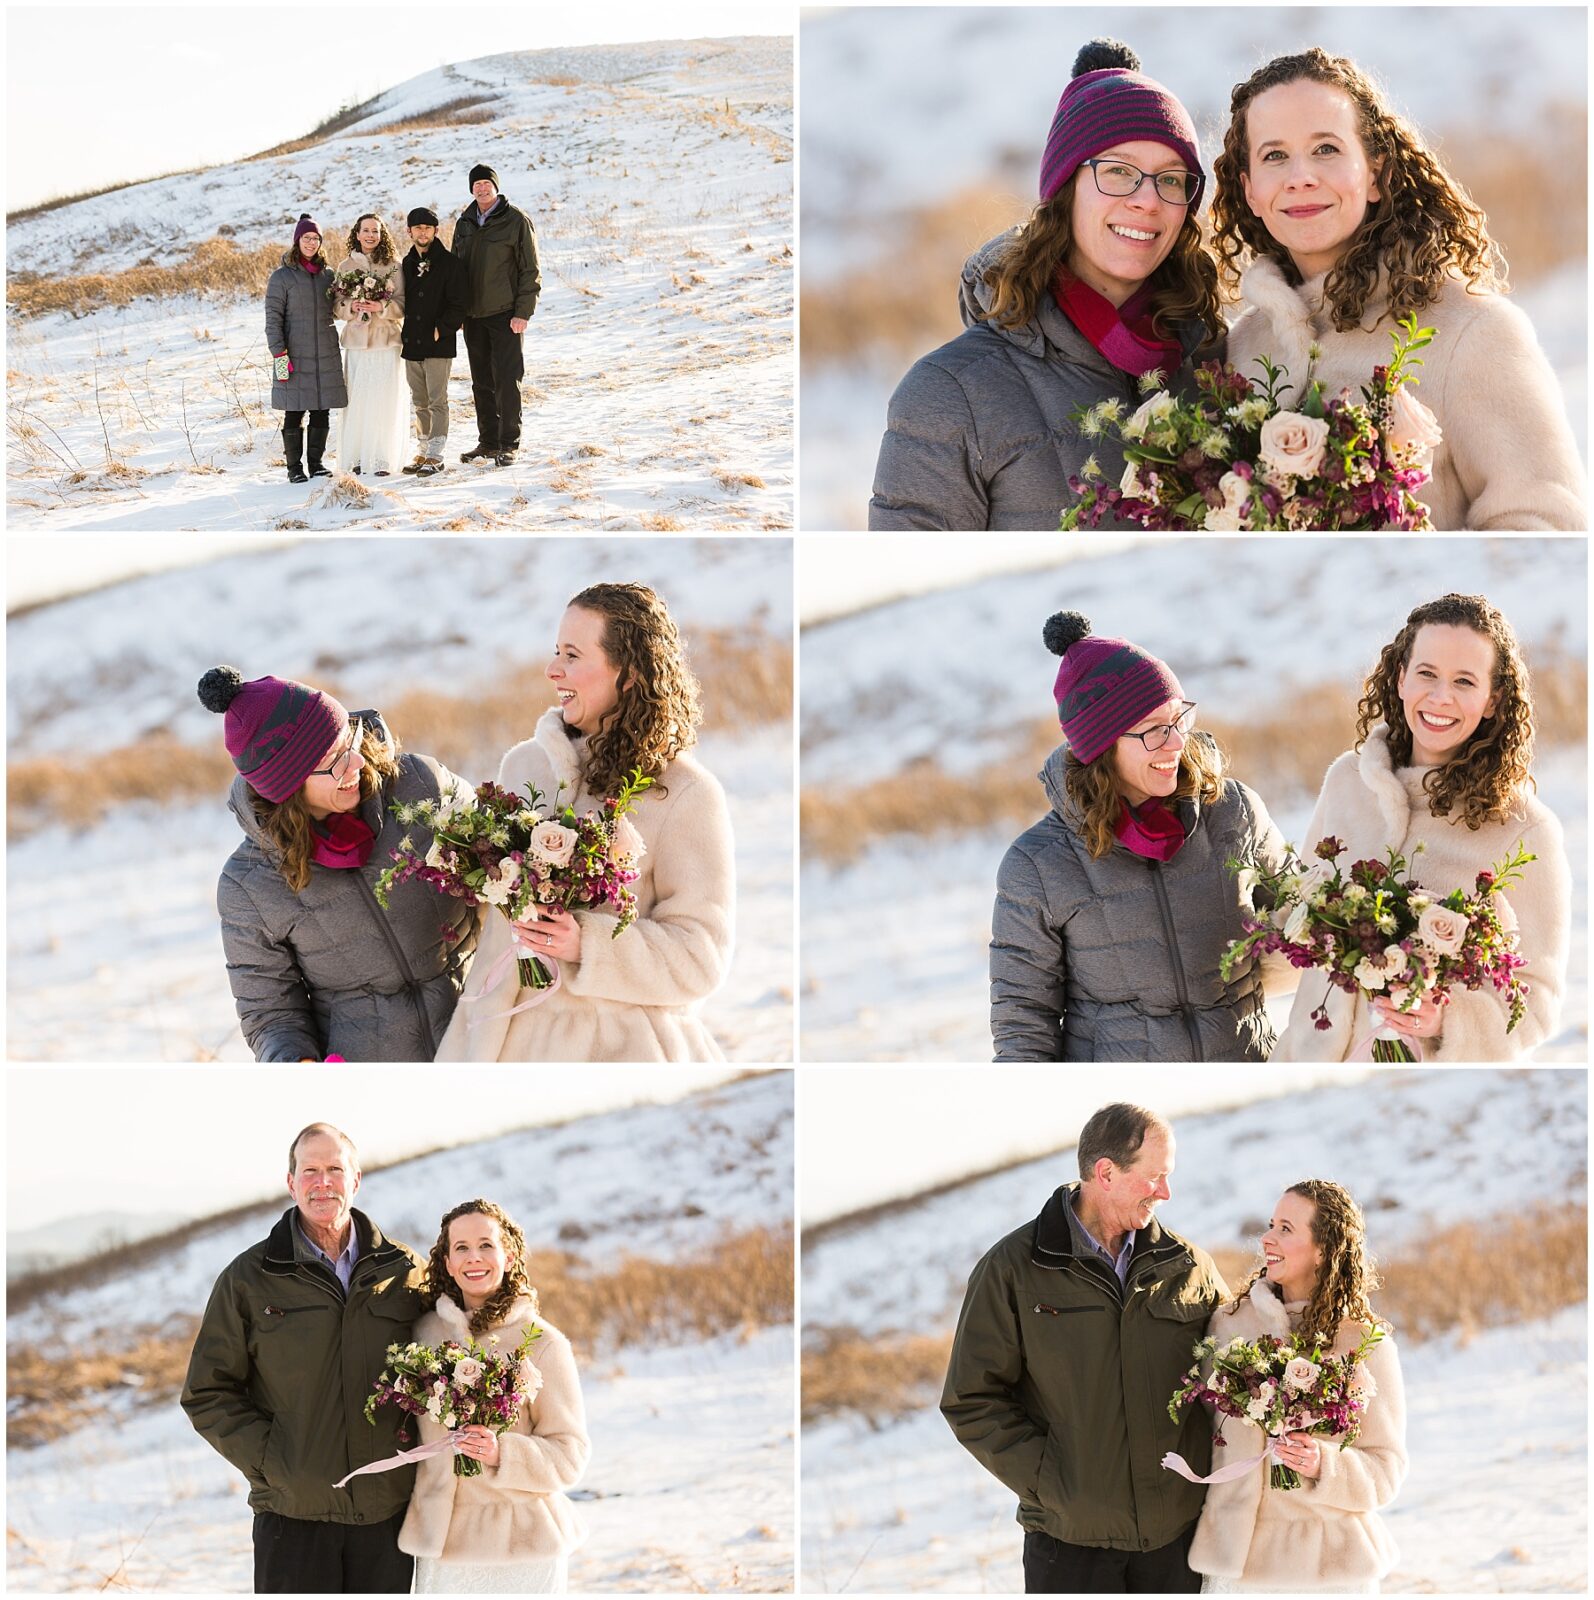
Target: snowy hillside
[(1496, 1499), (142, 1501), (1246, 630), (901, 134), (97, 672), (658, 386)]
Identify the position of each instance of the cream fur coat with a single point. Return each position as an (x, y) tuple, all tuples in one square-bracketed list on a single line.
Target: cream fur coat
[(1326, 1534), (1370, 807), (635, 998), (385, 330), (1508, 460), (515, 1511)]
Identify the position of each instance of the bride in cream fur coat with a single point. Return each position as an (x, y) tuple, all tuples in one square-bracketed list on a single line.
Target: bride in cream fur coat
[(1350, 223), (1324, 1536), (509, 1529), (627, 699), (1445, 735)]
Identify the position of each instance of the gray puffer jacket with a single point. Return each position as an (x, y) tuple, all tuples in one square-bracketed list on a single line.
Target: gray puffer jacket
[(299, 320), (327, 971), (980, 433), (1117, 959)]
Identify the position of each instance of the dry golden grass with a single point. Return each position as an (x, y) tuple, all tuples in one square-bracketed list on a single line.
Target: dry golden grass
[(746, 676), (468, 109), (56, 202), (1289, 750), (1462, 1280), (743, 1283), (215, 266)]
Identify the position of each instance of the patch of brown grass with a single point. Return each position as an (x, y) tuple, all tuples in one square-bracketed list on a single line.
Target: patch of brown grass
[(1286, 751), (214, 266), (744, 1282), (905, 305), (56, 202), (746, 675), (1464, 1279), (468, 109), (732, 482)]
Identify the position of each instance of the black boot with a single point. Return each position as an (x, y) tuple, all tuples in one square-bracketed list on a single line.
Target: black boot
[(293, 449), (318, 445)]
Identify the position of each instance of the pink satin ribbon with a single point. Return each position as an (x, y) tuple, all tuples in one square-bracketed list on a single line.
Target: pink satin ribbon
[(1411, 1042), (515, 951), (1235, 1469), (405, 1457)]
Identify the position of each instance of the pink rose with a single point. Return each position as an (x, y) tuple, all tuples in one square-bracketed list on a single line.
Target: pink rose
[(1442, 930), (628, 844), (1413, 432), (552, 843), (468, 1372), (1293, 443)]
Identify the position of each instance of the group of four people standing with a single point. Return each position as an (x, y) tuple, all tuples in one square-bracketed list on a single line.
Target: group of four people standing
[(410, 310)]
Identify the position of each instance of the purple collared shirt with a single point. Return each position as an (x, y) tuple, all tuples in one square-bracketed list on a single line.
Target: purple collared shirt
[(1120, 1262), (344, 1265)]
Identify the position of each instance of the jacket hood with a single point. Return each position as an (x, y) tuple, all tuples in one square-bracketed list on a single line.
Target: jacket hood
[(1052, 781), (1049, 326), (239, 803)]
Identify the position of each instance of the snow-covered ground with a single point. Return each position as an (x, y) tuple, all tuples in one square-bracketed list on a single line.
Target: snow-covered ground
[(1496, 1500), (690, 1486), (1243, 630), (658, 388), (120, 960), (897, 116)]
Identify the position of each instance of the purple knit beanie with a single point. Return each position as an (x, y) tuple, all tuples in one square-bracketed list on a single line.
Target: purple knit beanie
[(277, 730), (1109, 102), (307, 224), (1104, 686)]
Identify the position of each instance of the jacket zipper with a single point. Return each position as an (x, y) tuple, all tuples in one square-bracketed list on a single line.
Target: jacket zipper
[(1178, 964), (412, 988)]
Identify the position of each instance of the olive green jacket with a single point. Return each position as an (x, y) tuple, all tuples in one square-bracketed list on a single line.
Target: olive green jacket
[(282, 1366), (1060, 1380)]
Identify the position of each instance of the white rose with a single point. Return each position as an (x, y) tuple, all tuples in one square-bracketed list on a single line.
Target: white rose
[(1444, 931), (1369, 976), (1293, 443), (1256, 1411), (1221, 519), (1395, 960), (1301, 1374), (552, 843), (1236, 492)]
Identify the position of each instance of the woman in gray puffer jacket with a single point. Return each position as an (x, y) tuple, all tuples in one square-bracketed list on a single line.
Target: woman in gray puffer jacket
[(299, 326), (1107, 283), (318, 968), (1112, 913)]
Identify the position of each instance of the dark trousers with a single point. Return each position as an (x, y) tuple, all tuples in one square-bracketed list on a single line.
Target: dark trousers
[(1052, 1567), (295, 419), (297, 1557), (497, 364)]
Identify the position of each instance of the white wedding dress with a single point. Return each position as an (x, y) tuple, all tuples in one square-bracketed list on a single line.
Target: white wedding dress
[(545, 1576), (1211, 1585), (375, 429)]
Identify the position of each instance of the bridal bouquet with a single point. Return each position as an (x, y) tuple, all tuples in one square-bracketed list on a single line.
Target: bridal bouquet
[(351, 284), (1280, 1386), (1232, 458), (1375, 931), (458, 1386), (497, 849)]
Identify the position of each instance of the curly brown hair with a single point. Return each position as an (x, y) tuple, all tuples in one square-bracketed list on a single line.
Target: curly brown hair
[(1485, 780), (1093, 787), (1184, 286), (1348, 1276), (385, 254), (658, 711), (1423, 228), (440, 1285), (288, 825)]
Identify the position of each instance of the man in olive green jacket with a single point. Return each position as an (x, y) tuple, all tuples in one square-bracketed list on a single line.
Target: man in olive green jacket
[(293, 1339), (1075, 1332)]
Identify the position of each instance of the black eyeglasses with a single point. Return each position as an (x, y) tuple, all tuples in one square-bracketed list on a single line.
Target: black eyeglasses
[(1155, 738), (1118, 178), (359, 721)]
